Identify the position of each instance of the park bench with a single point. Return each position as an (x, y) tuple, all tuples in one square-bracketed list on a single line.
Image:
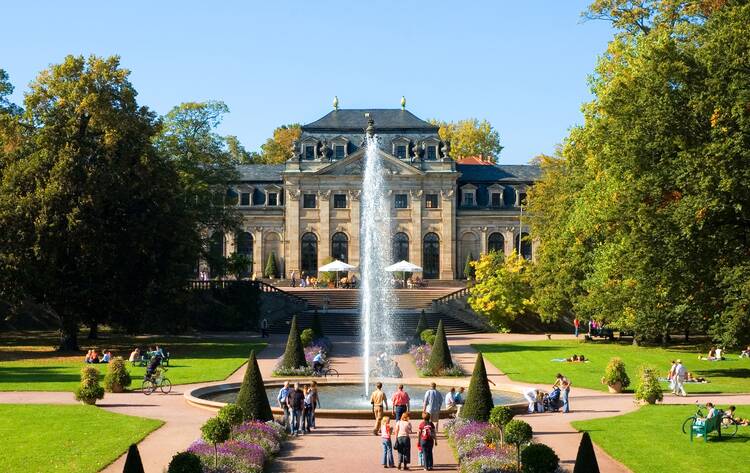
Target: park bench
[(143, 361), (707, 426)]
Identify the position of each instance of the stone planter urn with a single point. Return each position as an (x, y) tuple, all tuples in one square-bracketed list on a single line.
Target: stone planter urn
[(88, 402), (615, 388)]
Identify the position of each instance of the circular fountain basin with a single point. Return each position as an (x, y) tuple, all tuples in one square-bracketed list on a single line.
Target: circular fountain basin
[(337, 399)]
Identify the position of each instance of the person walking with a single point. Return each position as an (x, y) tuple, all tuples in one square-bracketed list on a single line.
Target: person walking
[(563, 383), (385, 434), (431, 405), (403, 442), (576, 324), (294, 278), (680, 375), (377, 400), (426, 438), (281, 399), (296, 402), (264, 328), (670, 377), (400, 402), (315, 403), (307, 409)]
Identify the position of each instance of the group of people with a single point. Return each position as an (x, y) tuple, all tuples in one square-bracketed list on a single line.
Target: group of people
[(413, 282), (543, 401), (572, 359), (714, 354), (398, 436), (299, 404), (92, 356)]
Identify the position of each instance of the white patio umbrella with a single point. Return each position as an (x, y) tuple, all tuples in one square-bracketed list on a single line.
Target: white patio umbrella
[(336, 266), (404, 266)]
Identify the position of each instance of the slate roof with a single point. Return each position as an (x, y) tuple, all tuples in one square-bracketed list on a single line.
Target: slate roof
[(385, 119), (260, 172), (498, 172)]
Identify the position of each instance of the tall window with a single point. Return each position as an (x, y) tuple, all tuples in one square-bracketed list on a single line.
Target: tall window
[(497, 200), (245, 199), (339, 151), (340, 247), (469, 199), (431, 201), (309, 253), (309, 201), (525, 246), (339, 201), (310, 152), (401, 201), (431, 153), (273, 199), (400, 247), (401, 151), (431, 256), (496, 242), (244, 244), (215, 254)]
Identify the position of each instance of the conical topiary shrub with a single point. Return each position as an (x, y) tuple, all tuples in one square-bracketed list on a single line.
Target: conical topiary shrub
[(317, 326), (133, 462), (479, 399), (468, 268), (270, 270), (440, 359), (421, 327), (294, 355), (586, 458), (252, 397)]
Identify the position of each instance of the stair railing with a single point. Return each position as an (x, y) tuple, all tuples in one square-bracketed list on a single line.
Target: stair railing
[(196, 284), (458, 294)]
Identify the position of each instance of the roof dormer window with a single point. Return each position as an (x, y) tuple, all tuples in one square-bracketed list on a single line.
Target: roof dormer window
[(431, 153), (400, 147), (468, 195), (339, 151), (309, 152), (401, 151)]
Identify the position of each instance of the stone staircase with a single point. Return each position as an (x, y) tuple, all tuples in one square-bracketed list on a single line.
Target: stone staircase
[(348, 299), (348, 324)]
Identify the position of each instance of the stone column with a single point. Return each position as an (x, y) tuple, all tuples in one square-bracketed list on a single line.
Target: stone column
[(324, 245), (510, 240), (482, 241), (354, 218), (448, 238), (292, 204), (257, 268), (416, 230)]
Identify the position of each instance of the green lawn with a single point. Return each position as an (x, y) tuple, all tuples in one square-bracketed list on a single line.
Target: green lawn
[(531, 362), (27, 365), (55, 438), (651, 440)]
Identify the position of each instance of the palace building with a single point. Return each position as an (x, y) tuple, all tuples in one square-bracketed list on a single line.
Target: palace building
[(442, 211)]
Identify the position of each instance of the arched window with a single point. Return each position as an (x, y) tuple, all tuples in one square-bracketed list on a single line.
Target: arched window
[(244, 245), (216, 254), (309, 254), (400, 251), (431, 256), (496, 242), (340, 247), (525, 246)]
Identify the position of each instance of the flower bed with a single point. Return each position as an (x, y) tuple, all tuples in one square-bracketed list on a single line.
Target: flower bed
[(253, 444), (477, 448), (319, 344), (421, 355)]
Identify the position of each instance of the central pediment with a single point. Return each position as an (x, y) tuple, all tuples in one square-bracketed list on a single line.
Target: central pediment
[(354, 164)]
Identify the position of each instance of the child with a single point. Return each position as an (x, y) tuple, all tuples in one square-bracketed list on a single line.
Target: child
[(426, 441), (385, 434)]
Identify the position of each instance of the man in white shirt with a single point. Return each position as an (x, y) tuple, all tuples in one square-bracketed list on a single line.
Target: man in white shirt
[(679, 377)]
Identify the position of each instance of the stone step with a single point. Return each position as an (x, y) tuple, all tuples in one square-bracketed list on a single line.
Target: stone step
[(404, 299)]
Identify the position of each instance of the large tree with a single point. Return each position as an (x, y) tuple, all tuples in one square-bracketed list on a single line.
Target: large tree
[(279, 148), (644, 214), (470, 137), (93, 223)]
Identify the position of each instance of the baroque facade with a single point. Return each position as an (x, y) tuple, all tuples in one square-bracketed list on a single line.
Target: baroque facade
[(442, 211)]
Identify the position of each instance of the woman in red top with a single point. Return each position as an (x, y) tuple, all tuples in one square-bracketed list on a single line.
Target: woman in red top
[(426, 439)]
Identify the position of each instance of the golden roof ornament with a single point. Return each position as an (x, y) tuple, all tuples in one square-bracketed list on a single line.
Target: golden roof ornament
[(403, 103), (335, 102)]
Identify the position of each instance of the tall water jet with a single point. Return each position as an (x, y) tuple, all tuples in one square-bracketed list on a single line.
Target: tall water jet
[(375, 253)]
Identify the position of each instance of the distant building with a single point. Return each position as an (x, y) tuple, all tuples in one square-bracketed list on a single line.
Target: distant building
[(442, 211)]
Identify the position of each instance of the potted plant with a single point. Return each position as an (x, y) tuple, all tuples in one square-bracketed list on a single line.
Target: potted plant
[(117, 377), (649, 390), (89, 391), (615, 376)]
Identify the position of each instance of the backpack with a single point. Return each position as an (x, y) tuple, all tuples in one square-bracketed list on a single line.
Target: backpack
[(427, 432)]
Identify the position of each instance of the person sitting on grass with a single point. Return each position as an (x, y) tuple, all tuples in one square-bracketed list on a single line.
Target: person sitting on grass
[(94, 358), (729, 414), (135, 355), (106, 357), (693, 379), (87, 358), (746, 352)]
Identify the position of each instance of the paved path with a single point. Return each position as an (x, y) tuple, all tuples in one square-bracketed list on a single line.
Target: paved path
[(354, 443)]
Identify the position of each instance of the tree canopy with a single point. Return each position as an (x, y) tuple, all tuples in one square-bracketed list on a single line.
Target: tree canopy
[(643, 213), (470, 137), (278, 148)]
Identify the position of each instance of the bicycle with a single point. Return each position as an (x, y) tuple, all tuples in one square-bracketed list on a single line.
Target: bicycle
[(729, 426), (157, 380), (687, 424), (326, 371)]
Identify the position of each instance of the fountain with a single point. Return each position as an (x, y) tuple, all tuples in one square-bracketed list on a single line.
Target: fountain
[(375, 251)]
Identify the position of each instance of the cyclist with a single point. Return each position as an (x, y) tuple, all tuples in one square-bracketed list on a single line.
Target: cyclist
[(318, 362), (153, 363)]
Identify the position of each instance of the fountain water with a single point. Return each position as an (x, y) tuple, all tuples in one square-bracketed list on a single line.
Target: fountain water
[(375, 254)]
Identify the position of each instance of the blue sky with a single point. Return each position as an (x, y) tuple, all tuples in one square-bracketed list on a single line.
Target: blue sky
[(521, 65)]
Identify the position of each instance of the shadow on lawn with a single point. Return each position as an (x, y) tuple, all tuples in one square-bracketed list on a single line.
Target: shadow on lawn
[(509, 348), (727, 373), (36, 374)]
